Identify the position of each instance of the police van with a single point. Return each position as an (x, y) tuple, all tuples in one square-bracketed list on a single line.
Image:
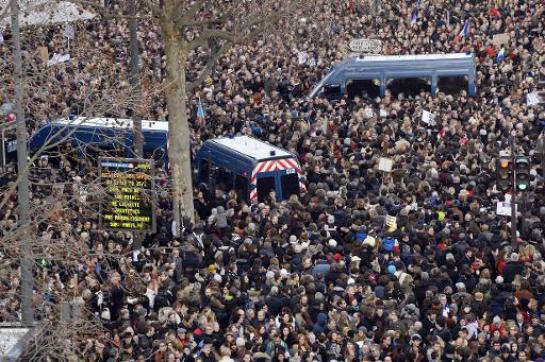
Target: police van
[(250, 167), (103, 136)]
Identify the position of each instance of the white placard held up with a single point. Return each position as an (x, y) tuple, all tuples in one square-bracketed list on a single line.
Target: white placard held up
[(533, 99), (504, 208), (428, 118), (58, 59), (385, 164), (302, 58), (365, 46), (69, 31)]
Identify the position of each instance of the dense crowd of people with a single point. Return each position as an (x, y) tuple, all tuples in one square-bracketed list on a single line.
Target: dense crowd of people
[(321, 276)]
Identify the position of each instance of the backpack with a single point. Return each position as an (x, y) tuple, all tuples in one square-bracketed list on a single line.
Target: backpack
[(360, 236), (388, 243)]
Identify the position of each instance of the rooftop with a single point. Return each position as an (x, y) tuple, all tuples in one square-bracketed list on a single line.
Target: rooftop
[(389, 58), (113, 123), (252, 147)]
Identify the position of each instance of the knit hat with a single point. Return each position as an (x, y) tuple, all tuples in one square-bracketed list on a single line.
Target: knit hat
[(391, 269)]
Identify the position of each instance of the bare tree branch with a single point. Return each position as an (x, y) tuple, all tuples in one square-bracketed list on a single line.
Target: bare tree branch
[(188, 15), (205, 73), (211, 33)]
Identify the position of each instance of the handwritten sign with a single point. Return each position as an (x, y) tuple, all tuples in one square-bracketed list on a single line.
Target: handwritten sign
[(504, 208), (534, 98), (128, 184), (428, 118), (365, 46), (385, 164)]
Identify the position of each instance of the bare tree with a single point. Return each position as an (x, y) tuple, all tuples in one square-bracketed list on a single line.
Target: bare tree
[(135, 81), (187, 27), (23, 186)]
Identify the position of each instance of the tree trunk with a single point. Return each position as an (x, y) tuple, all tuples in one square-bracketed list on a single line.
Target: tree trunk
[(138, 138), (23, 197), (179, 151)]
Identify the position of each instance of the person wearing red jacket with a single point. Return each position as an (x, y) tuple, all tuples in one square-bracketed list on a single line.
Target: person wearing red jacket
[(498, 325)]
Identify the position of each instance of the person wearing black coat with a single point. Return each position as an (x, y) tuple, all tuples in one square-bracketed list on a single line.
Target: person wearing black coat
[(512, 268)]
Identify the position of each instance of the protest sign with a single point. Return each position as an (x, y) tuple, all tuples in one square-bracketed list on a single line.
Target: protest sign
[(504, 208), (428, 118), (385, 164), (69, 31), (366, 46), (533, 99), (58, 59)]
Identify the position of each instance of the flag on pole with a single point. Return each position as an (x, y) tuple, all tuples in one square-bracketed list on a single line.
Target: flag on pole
[(414, 16), (464, 32), (200, 112), (501, 55)]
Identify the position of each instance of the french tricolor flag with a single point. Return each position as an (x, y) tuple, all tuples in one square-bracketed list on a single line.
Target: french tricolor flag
[(414, 16), (501, 55), (464, 32), (200, 113)]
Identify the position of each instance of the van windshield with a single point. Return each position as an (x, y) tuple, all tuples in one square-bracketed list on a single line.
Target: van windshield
[(290, 185), (264, 186)]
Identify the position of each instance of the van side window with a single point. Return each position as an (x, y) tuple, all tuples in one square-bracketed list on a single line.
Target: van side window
[(332, 90), (290, 185), (241, 187), (264, 186), (224, 179), (204, 169)]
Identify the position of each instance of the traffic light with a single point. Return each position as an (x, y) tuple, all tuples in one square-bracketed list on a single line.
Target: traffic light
[(522, 170), (504, 174)]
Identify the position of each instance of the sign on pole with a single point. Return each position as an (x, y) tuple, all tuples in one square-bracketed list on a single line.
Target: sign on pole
[(365, 46), (69, 31), (129, 189)]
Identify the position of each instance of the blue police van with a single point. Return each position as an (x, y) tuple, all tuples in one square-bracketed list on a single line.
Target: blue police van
[(250, 167), (95, 136), (374, 74)]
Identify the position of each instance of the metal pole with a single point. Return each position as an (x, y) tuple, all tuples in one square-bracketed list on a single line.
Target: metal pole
[(138, 141), (513, 197), (3, 149), (542, 151), (23, 191)]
